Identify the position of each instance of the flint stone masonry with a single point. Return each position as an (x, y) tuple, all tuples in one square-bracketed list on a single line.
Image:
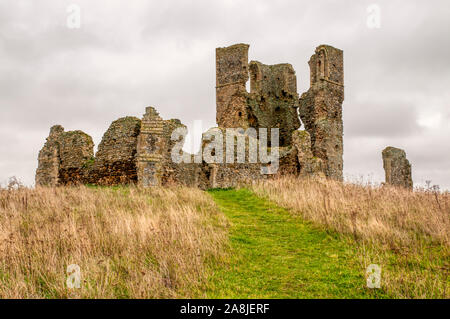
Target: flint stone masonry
[(47, 173), (321, 109), (76, 150), (273, 98), (115, 161), (140, 151), (309, 165), (63, 158), (397, 168), (154, 157)]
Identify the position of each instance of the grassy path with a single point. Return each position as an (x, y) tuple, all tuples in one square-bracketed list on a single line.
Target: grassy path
[(277, 255)]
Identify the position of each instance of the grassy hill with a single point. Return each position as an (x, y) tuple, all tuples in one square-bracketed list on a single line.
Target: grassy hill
[(285, 238)]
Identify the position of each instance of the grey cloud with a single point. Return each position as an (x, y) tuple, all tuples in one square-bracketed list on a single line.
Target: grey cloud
[(381, 120)]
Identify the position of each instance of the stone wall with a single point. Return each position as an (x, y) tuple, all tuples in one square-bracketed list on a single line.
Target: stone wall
[(151, 147), (115, 161), (273, 98), (397, 168), (47, 173), (309, 165), (321, 109), (64, 158), (231, 94), (155, 166), (76, 152)]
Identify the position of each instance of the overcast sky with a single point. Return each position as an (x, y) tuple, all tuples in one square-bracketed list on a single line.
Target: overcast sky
[(131, 54)]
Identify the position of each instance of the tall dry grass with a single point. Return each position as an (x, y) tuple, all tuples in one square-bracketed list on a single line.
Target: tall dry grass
[(128, 242), (408, 232)]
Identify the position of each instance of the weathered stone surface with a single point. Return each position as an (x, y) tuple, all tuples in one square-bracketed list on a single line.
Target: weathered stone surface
[(309, 164), (63, 159), (76, 151), (223, 172), (396, 167), (321, 109), (47, 173), (272, 101), (150, 147), (115, 161), (231, 94), (154, 157)]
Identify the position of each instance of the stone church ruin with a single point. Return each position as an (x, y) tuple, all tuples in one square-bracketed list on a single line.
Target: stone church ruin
[(139, 151)]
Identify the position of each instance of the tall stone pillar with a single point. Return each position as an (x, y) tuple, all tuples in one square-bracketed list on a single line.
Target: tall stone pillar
[(150, 149), (397, 168), (231, 94), (321, 108), (47, 173)]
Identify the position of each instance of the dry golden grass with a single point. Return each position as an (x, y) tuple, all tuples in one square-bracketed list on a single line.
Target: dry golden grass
[(128, 242), (407, 233)]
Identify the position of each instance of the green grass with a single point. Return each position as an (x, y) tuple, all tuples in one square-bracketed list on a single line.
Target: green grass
[(274, 254)]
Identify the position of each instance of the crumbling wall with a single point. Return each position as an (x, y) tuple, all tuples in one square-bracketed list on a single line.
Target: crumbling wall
[(47, 173), (149, 149), (188, 174), (63, 159), (230, 171), (231, 94), (309, 164), (397, 168), (155, 166), (115, 161), (321, 109), (76, 152), (223, 172), (272, 101)]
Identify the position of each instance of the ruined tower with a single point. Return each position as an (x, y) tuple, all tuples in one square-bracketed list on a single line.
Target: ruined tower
[(273, 98), (47, 173), (397, 168), (321, 108), (231, 94), (64, 158)]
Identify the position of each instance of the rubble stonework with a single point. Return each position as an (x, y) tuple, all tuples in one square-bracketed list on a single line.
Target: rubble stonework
[(149, 149), (321, 108), (140, 151), (76, 151), (115, 161), (309, 164), (63, 159), (273, 98), (49, 160), (397, 168)]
